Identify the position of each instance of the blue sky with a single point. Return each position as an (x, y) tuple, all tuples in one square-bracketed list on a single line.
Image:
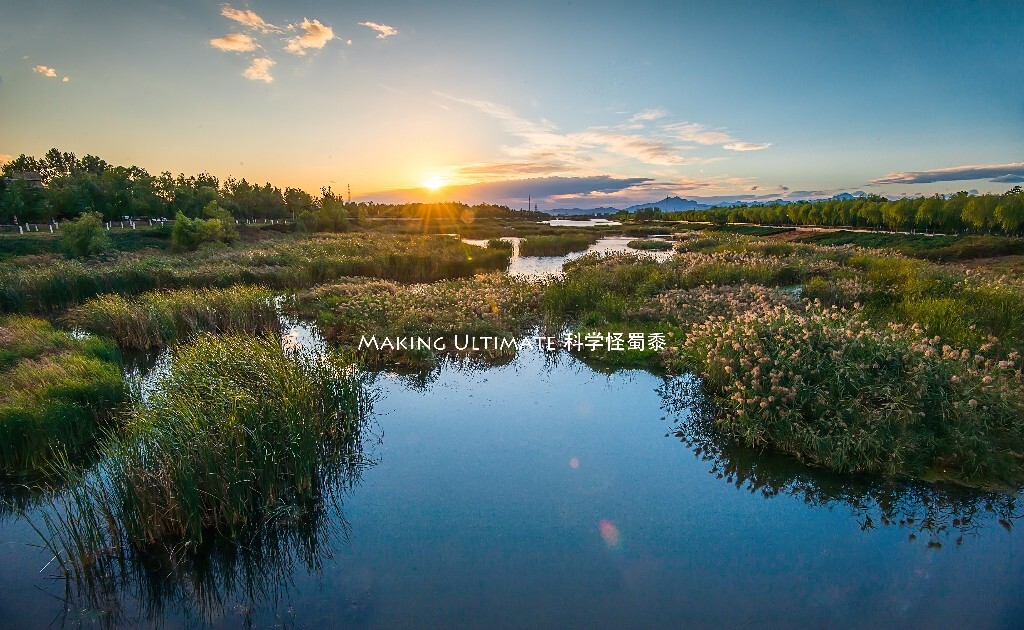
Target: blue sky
[(577, 104)]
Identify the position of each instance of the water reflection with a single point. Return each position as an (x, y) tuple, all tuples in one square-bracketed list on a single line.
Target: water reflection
[(543, 267), (935, 513)]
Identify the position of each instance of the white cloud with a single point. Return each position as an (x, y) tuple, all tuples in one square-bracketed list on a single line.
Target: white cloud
[(65, 79), (46, 72), (234, 42), (746, 146), (694, 132), (248, 18), (383, 30), (315, 35), (259, 70), (649, 114)]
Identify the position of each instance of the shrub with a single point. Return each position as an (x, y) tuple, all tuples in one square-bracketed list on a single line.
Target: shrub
[(85, 236)]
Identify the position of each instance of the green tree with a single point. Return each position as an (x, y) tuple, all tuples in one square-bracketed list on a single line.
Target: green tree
[(85, 236), (228, 229)]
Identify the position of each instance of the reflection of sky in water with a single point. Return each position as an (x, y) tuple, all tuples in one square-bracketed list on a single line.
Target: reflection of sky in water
[(550, 266), (543, 493)]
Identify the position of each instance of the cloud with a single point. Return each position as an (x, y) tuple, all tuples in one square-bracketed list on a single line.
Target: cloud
[(234, 42), (694, 132), (65, 79), (1008, 179), (46, 72), (383, 30), (259, 70), (316, 35), (994, 172), (248, 18), (746, 146), (5, 158), (649, 114)]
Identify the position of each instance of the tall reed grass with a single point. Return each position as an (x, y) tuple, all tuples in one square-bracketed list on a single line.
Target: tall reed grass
[(556, 245), (159, 318), (287, 262), (236, 436), (55, 392)]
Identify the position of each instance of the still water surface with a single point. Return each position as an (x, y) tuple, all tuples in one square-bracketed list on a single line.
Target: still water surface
[(545, 493)]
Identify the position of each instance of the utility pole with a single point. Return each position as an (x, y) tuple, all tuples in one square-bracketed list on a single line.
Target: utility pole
[(349, 192), (529, 202)]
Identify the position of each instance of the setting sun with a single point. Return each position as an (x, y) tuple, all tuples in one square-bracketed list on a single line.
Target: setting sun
[(433, 183)]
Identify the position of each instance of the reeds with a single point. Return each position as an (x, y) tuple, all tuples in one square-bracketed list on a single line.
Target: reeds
[(650, 244), (283, 263), (237, 435), (56, 390), (159, 318), (557, 245)]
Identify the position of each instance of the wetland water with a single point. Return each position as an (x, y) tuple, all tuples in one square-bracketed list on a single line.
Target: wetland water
[(543, 492)]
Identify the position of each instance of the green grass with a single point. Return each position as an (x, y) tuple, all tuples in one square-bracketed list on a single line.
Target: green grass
[(556, 245), (919, 376), (491, 305), (936, 248), (829, 388), (237, 436), (285, 262), (159, 318), (56, 391), (650, 244)]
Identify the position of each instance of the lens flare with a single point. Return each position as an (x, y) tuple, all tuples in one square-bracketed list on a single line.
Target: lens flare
[(609, 533)]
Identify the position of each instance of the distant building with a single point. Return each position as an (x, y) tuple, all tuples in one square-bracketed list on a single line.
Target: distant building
[(33, 178)]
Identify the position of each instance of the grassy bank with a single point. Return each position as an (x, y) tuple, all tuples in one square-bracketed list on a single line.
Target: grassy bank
[(556, 245), (492, 305), (889, 365), (238, 436), (285, 262), (159, 318), (56, 391), (936, 248), (650, 244)]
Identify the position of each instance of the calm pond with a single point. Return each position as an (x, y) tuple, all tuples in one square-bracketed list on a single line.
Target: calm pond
[(546, 493)]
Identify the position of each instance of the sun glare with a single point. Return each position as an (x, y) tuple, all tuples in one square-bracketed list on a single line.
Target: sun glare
[(433, 183)]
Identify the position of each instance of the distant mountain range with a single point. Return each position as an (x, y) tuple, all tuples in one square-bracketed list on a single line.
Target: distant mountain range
[(678, 204)]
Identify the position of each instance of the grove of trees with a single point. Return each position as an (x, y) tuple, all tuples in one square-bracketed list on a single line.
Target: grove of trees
[(72, 186), (961, 212)]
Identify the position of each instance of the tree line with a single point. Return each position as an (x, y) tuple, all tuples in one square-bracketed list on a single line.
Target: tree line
[(957, 213), (68, 186)]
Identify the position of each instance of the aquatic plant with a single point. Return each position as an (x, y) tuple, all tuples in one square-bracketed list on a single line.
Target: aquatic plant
[(56, 391), (285, 262), (556, 245), (158, 318), (650, 244), (491, 305), (826, 386), (236, 436)]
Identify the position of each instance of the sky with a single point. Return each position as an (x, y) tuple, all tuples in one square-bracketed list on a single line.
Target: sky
[(572, 104)]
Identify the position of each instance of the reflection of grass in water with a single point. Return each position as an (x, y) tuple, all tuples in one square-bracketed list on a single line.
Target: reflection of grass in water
[(934, 511), (238, 440)]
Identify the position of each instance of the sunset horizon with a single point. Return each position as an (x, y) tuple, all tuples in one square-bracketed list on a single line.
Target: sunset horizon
[(568, 107)]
